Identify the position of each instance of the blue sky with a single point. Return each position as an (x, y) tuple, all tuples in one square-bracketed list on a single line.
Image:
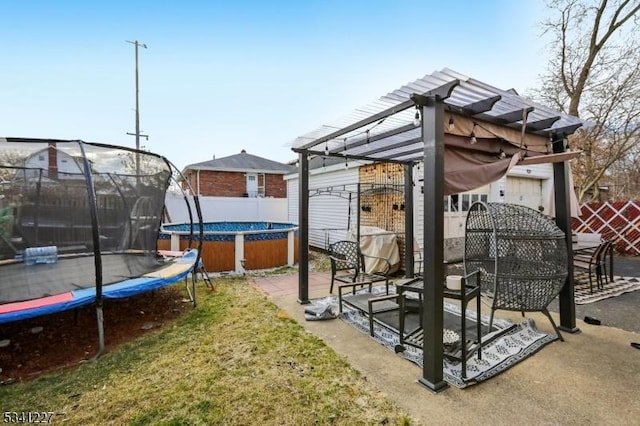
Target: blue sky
[(221, 76)]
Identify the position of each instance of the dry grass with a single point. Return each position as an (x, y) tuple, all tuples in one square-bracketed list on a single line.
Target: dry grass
[(235, 359)]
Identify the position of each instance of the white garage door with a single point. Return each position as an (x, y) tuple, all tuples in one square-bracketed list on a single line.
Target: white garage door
[(524, 191)]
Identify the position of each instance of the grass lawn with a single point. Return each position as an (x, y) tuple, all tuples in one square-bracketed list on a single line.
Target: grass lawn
[(236, 359)]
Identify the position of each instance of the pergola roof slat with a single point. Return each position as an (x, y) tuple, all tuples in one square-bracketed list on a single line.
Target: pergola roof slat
[(542, 124), (513, 116), (481, 106)]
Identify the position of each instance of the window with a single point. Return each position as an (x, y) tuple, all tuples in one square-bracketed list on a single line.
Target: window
[(465, 202), (454, 203), (462, 202), (261, 184)]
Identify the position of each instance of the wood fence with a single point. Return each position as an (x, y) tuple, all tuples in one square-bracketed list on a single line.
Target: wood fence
[(618, 222)]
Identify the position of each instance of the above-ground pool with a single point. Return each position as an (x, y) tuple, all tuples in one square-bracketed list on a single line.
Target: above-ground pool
[(236, 246)]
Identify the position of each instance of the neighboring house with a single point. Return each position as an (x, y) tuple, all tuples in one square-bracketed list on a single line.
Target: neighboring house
[(60, 208), (239, 175), (54, 163)]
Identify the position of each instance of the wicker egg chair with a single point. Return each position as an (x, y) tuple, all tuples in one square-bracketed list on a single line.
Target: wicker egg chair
[(521, 255)]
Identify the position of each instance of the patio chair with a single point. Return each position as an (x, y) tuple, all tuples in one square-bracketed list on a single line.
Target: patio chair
[(608, 265), (521, 256), (348, 265), (595, 263)]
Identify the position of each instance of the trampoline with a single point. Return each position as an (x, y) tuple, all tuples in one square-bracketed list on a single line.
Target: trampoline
[(79, 222)]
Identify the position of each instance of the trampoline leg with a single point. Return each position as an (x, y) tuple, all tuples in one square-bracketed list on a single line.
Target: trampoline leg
[(193, 291), (100, 331)]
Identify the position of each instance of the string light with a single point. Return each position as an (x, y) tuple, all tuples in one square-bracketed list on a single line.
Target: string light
[(473, 139), (416, 119), (452, 125), (326, 148), (502, 154), (549, 146)]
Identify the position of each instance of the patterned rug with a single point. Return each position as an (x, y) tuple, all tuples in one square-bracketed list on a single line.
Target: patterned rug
[(618, 286), (510, 347)]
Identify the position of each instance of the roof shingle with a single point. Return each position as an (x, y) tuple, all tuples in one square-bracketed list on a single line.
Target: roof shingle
[(243, 162)]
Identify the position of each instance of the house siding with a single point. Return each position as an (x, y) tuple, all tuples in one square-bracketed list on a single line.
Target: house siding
[(328, 215), (293, 197)]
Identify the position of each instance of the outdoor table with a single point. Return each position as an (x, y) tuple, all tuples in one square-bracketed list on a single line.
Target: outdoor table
[(579, 247), (416, 338), (379, 247)]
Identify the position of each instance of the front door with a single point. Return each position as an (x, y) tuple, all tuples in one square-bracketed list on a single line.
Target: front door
[(252, 185)]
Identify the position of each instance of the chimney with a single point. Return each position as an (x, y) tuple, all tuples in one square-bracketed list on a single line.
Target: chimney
[(244, 151), (52, 159)]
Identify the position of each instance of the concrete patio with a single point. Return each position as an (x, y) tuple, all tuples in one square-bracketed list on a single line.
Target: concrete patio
[(591, 378)]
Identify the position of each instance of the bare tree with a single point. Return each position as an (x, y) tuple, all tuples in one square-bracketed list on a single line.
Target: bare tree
[(594, 74)]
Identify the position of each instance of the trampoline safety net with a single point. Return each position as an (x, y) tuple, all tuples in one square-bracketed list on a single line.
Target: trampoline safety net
[(70, 200)]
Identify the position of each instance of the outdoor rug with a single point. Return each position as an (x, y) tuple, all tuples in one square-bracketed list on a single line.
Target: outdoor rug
[(618, 286), (518, 342)]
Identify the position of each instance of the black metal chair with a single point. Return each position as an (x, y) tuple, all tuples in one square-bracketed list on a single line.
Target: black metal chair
[(348, 265), (595, 263), (521, 256), (608, 265)]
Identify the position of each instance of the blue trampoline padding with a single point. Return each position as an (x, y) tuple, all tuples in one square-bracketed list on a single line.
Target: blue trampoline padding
[(49, 306), (127, 288)]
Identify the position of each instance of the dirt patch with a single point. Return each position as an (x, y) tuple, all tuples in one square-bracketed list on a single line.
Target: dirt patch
[(50, 342)]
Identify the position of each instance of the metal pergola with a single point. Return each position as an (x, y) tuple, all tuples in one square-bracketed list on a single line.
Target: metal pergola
[(414, 124)]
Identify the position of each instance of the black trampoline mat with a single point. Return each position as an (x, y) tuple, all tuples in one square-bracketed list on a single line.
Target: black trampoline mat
[(19, 282)]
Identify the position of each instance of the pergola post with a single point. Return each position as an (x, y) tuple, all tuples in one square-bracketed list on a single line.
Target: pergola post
[(432, 110), (408, 220), (359, 194), (303, 226), (563, 220)]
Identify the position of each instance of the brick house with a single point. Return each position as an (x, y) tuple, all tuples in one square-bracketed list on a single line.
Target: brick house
[(239, 175)]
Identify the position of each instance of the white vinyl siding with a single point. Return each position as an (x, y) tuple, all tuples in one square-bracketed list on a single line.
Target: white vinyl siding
[(292, 200), (328, 215)]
